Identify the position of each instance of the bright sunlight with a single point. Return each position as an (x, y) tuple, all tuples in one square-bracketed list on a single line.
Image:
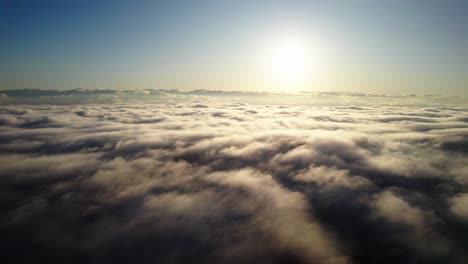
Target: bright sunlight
[(288, 61)]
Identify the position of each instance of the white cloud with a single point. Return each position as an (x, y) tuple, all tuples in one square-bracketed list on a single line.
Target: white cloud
[(215, 180), (459, 206)]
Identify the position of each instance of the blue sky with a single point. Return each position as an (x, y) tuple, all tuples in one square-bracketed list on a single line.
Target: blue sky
[(371, 46)]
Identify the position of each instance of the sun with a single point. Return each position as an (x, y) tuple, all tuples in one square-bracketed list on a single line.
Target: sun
[(288, 61)]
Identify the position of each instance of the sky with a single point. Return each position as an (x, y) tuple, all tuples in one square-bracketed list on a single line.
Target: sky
[(409, 47)]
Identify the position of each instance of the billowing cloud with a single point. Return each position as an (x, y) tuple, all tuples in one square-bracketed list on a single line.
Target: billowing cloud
[(217, 181), (459, 206), (420, 234)]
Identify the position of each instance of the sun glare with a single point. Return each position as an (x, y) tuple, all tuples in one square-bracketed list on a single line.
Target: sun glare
[(288, 61)]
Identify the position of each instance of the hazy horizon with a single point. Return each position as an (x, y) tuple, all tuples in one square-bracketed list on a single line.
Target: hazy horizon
[(234, 90)]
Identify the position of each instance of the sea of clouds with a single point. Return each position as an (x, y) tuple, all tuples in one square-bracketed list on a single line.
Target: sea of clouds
[(206, 180)]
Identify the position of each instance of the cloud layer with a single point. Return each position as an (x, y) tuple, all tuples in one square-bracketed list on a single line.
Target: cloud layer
[(75, 96), (224, 182)]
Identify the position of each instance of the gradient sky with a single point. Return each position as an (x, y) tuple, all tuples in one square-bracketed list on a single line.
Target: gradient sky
[(396, 46)]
